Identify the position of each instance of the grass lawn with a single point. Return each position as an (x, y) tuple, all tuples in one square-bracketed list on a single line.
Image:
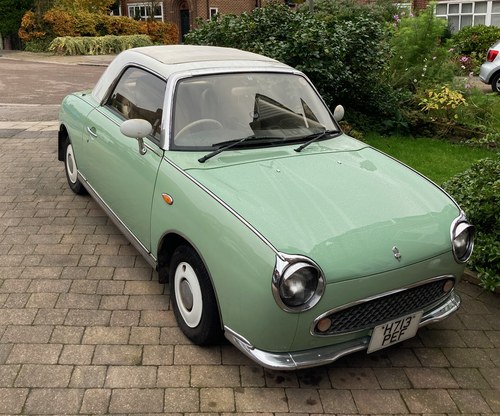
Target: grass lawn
[(439, 160)]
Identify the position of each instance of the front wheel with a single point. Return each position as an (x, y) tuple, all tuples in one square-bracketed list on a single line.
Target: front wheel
[(193, 298), (495, 83), (71, 170)]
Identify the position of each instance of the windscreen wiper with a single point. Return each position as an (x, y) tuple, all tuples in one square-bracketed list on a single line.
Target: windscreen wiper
[(317, 136), (223, 146)]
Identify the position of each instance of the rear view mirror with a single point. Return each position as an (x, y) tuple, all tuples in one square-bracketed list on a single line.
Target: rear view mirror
[(137, 128), (338, 113)]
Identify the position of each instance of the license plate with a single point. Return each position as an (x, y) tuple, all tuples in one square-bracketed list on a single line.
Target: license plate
[(394, 331)]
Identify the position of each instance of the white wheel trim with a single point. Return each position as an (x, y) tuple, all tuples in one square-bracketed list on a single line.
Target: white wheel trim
[(71, 164), (185, 273)]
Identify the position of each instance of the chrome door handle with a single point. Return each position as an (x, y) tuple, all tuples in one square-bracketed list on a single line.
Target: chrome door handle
[(92, 132)]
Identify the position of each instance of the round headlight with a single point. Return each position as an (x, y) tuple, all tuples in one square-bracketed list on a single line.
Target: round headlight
[(463, 241), (298, 286)]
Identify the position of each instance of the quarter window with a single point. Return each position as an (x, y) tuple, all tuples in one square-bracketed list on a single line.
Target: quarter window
[(139, 94), (146, 10)]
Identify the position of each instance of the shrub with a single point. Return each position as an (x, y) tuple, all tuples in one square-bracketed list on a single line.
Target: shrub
[(477, 191), (164, 33), (418, 57), (120, 25), (101, 45), (474, 40), (345, 59), (61, 22), (30, 28)]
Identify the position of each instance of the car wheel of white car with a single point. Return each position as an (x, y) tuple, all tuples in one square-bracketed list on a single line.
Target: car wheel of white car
[(71, 170), (495, 82), (193, 298)]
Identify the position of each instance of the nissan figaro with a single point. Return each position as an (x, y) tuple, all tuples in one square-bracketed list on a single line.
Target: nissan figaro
[(227, 171)]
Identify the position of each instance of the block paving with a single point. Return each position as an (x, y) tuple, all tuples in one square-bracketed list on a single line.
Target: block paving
[(85, 327)]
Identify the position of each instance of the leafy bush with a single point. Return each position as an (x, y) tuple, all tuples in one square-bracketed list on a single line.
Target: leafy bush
[(101, 45), (61, 22), (120, 25), (345, 59), (477, 191), (160, 32), (418, 58), (474, 40)]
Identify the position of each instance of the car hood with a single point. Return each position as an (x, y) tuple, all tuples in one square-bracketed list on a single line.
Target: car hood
[(348, 210)]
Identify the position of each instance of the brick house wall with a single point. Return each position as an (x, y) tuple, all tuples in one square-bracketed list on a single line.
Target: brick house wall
[(185, 12)]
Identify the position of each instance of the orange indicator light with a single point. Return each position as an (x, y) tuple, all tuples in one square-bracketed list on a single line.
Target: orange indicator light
[(324, 325), (168, 199)]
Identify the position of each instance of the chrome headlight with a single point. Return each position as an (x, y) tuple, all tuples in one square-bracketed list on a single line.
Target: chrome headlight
[(462, 239), (298, 284)]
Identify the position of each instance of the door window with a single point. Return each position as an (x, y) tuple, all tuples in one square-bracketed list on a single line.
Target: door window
[(139, 94)]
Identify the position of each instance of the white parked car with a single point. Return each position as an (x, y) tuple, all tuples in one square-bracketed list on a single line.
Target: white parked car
[(490, 70)]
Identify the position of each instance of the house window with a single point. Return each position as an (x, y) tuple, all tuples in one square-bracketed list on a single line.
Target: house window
[(462, 14), (143, 11), (214, 11)]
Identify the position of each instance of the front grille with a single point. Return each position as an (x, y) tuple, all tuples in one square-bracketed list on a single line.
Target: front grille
[(385, 308)]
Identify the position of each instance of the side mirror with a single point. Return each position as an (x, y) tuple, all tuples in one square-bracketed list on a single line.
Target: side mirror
[(137, 128), (338, 113)]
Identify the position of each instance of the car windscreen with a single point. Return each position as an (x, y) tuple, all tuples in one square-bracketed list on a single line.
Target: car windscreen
[(270, 108)]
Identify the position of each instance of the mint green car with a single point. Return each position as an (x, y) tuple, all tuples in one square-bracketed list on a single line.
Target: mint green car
[(228, 173)]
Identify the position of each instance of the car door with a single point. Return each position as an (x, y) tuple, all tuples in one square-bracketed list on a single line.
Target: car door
[(122, 177)]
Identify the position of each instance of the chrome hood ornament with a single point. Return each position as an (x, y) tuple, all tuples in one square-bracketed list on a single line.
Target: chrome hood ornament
[(397, 254)]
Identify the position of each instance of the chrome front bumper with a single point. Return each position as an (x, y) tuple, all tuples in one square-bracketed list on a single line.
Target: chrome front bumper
[(325, 355)]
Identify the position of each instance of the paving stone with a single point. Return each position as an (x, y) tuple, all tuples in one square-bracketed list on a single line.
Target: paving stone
[(144, 335), (32, 375), (67, 335), (215, 376), (173, 376), (261, 400), (34, 354), (77, 354), (303, 400), (492, 376), (469, 401), (144, 302), (106, 335), (25, 334), (88, 376), (379, 402), (252, 376), (53, 401), (182, 400), (125, 318), (17, 316), (353, 378), (131, 377), (217, 400), (392, 378), (431, 378), (42, 300), (88, 317), (281, 378), (493, 399), (194, 355), (12, 400), (8, 374), (158, 355), (114, 302), (429, 401), (117, 355), (96, 401), (136, 401), (467, 357), (469, 378)]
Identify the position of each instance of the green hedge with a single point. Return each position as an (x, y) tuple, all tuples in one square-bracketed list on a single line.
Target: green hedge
[(100, 45), (477, 191)]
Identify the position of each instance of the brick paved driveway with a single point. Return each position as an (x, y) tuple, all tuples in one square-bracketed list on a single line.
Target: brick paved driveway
[(85, 327)]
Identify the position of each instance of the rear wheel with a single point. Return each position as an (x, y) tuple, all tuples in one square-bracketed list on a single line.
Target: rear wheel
[(193, 298), (495, 82), (71, 169)]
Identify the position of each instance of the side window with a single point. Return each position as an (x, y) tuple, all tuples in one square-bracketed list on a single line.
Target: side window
[(139, 94)]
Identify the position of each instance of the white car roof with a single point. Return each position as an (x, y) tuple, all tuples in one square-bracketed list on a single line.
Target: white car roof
[(169, 59)]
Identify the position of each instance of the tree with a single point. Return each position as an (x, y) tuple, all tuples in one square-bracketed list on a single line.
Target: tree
[(92, 6), (12, 12)]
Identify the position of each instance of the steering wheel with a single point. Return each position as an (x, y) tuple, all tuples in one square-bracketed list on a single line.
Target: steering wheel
[(199, 125)]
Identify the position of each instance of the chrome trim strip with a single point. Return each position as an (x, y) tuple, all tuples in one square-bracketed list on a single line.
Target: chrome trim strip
[(371, 298), (227, 207), (289, 361), (281, 266), (461, 219), (148, 256)]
